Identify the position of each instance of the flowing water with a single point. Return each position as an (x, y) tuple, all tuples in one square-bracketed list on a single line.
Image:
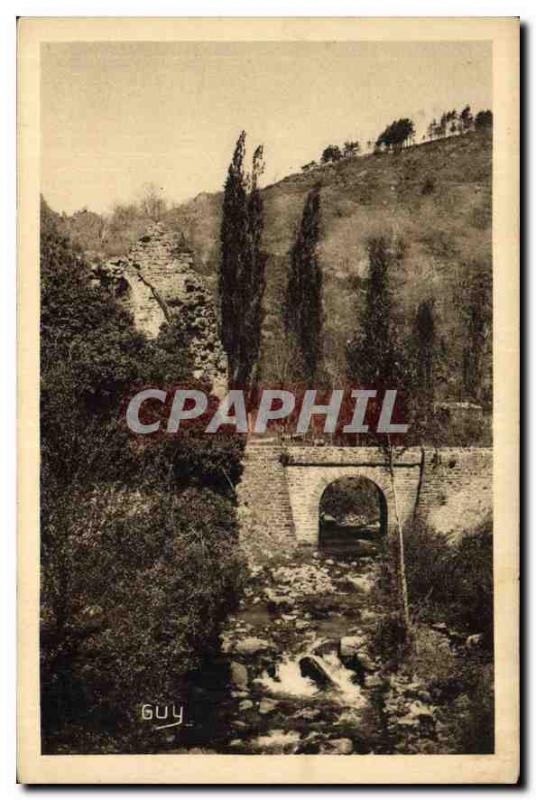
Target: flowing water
[(311, 663), (304, 675)]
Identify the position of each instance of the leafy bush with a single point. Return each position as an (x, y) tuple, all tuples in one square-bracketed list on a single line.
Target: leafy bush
[(451, 583), (139, 559), (135, 587), (461, 685), (454, 584)]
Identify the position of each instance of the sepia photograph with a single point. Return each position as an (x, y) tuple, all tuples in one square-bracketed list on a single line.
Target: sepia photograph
[(270, 342)]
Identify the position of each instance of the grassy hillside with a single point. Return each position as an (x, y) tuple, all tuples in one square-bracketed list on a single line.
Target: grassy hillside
[(436, 196)]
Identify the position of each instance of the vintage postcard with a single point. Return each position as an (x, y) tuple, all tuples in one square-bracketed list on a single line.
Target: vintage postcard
[(268, 400)]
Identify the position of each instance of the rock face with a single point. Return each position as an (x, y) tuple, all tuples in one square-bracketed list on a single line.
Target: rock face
[(156, 281)]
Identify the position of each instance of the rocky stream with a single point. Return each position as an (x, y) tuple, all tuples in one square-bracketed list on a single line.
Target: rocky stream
[(307, 670)]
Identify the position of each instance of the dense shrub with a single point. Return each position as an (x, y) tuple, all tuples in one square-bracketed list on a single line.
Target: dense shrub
[(134, 604), (91, 358), (451, 582), (139, 563)]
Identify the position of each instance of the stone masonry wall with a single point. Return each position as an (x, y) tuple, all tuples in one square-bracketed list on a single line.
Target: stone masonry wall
[(157, 281), (265, 515), (311, 470), (457, 490), (450, 489)]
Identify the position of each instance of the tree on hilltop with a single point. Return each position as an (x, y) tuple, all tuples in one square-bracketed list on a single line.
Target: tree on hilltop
[(483, 120), (466, 119), (452, 122), (452, 117), (351, 148), (399, 133), (331, 153), (152, 203), (433, 129)]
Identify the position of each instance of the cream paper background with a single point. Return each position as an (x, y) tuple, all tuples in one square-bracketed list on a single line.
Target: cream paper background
[(501, 767)]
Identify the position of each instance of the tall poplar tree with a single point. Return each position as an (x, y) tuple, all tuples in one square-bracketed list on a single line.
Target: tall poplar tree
[(374, 356), (303, 312), (478, 324), (424, 347), (426, 354), (242, 266)]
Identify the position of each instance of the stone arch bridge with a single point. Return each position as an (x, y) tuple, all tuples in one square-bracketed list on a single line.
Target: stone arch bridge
[(280, 492)]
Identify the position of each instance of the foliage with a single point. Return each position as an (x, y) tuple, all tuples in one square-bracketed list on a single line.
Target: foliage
[(242, 266), (195, 459), (466, 119), (139, 558), (425, 355), (460, 683), (88, 229), (478, 312), (473, 726), (330, 154), (90, 356), (152, 204), (349, 495), (425, 344), (91, 359), (428, 186), (303, 313), (451, 582), (333, 152), (351, 148), (135, 588), (396, 135), (448, 122), (453, 122), (375, 355), (483, 120)]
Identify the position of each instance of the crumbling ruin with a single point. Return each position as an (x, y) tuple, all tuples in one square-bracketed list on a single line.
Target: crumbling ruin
[(156, 281)]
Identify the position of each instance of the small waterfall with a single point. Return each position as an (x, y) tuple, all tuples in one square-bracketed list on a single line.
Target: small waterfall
[(290, 680)]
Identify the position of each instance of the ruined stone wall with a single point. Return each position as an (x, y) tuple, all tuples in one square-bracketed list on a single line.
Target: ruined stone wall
[(156, 281)]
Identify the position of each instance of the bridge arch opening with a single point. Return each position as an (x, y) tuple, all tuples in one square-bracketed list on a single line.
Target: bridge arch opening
[(352, 517)]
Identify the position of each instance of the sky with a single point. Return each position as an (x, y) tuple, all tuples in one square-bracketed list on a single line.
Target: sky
[(116, 116)]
